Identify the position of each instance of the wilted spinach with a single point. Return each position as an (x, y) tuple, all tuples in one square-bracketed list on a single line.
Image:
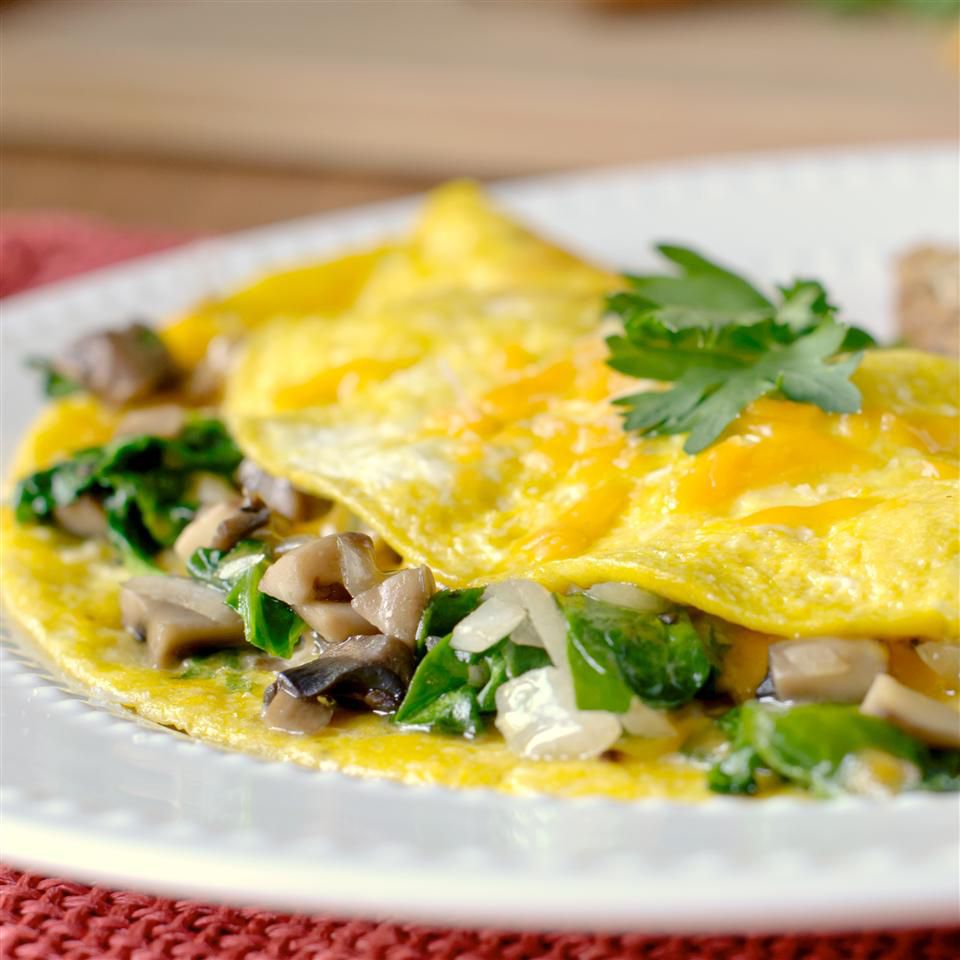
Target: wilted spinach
[(806, 745), (141, 483), (451, 689), (444, 611), (616, 653)]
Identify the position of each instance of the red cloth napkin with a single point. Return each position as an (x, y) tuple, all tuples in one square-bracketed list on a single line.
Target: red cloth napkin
[(42, 917)]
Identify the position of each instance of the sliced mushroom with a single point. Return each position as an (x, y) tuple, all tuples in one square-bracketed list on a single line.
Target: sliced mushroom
[(220, 526), (358, 565), (396, 605), (370, 672), (178, 617), (929, 720), (119, 366), (296, 714), (280, 495), (826, 669), (163, 420), (344, 559), (83, 518), (334, 620)]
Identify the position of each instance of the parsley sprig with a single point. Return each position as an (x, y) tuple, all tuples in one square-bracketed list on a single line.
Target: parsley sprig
[(723, 344)]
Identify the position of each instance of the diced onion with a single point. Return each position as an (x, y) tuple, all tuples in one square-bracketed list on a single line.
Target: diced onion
[(549, 628), (643, 721), (538, 718), (493, 620), (630, 596), (943, 658)]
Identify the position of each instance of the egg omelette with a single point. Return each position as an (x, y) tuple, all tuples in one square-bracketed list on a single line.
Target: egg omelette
[(451, 391)]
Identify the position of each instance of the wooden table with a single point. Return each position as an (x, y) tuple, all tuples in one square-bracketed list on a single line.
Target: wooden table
[(217, 114)]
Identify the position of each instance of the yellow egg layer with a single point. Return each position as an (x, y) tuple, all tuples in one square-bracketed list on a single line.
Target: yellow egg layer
[(451, 390), (65, 593), (463, 411)]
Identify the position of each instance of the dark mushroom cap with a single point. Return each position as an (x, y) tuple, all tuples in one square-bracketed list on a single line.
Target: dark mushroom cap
[(371, 672), (119, 366)]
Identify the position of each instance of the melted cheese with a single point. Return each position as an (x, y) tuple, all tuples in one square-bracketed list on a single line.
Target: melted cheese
[(451, 391)]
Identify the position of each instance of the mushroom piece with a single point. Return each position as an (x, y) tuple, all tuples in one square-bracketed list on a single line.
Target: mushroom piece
[(826, 669), (396, 605), (162, 420), (334, 620), (358, 565), (929, 720), (177, 617), (84, 517), (279, 494), (119, 366), (220, 526), (371, 672), (341, 559), (283, 711)]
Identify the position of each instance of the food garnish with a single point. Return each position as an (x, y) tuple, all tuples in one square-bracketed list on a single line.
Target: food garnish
[(724, 344)]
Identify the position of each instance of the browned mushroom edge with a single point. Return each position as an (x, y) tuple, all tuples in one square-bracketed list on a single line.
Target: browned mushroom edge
[(119, 366), (368, 672)]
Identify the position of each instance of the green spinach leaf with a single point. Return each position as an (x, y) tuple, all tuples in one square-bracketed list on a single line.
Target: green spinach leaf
[(616, 652), (451, 690), (806, 745), (445, 610), (53, 383), (268, 624), (141, 483)]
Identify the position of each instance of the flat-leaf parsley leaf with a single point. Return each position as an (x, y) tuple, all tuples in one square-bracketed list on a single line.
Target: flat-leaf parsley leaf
[(723, 344)]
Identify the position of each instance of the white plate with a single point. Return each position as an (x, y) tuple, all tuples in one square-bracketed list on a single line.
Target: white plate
[(92, 793)]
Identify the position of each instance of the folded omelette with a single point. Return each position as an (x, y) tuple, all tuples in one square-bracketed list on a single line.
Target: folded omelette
[(595, 610)]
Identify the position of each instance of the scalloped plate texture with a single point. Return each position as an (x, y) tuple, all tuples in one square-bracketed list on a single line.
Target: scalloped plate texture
[(90, 791)]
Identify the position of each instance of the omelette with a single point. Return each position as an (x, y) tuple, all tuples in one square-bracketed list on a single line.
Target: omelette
[(464, 509)]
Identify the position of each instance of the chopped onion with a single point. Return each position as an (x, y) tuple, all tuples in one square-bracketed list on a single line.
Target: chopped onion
[(943, 658), (643, 721), (630, 596), (493, 620), (549, 628), (537, 715)]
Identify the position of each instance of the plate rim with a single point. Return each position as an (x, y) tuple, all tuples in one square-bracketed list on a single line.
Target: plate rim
[(29, 843)]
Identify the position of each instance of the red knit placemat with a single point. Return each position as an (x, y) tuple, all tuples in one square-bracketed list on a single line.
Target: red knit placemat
[(40, 249), (55, 918), (43, 918)]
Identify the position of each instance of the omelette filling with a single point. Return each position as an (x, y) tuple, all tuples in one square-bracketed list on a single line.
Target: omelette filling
[(226, 557), (247, 559)]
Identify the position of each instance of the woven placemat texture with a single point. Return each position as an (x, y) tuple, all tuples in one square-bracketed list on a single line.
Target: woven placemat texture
[(55, 918), (40, 249), (43, 917)]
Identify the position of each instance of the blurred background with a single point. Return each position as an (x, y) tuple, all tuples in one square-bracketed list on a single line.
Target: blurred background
[(218, 114)]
